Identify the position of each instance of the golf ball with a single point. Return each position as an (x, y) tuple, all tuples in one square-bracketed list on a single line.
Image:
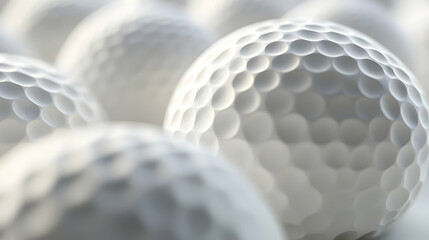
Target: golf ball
[(36, 100), (126, 182), (225, 16), (133, 60), (44, 25), (366, 16), (328, 124)]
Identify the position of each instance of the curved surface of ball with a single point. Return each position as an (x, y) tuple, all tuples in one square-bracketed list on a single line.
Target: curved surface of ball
[(414, 18), (35, 100), (366, 16), (134, 61), (44, 25), (226, 16), (119, 182), (328, 124)]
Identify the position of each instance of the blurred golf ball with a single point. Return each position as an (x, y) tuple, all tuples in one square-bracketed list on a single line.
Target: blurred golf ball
[(126, 182), (134, 57), (225, 16), (328, 124), (366, 16), (36, 100), (44, 25)]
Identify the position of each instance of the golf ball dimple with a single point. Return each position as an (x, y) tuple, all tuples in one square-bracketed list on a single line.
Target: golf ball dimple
[(44, 25), (126, 181), (329, 125), (36, 100), (225, 16), (135, 59), (366, 16)]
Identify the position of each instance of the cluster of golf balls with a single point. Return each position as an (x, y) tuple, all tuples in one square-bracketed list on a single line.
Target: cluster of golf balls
[(270, 119)]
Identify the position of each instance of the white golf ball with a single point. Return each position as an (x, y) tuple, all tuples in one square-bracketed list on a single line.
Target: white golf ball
[(126, 182), (414, 17), (134, 57), (44, 25), (36, 100), (225, 16), (366, 16), (328, 124)]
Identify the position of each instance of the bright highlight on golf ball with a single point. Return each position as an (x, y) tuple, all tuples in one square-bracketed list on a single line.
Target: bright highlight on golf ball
[(36, 100), (330, 125), (126, 181), (134, 60)]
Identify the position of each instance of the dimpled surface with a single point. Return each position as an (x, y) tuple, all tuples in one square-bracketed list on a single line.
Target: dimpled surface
[(366, 16), (135, 59), (36, 100), (327, 123), (225, 16), (117, 182), (44, 25)]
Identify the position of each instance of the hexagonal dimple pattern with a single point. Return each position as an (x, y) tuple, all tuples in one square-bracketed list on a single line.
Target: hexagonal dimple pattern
[(333, 131), (126, 182), (36, 100), (134, 61)]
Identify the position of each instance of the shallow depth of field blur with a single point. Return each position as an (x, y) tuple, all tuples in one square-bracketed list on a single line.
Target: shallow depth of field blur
[(86, 90)]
